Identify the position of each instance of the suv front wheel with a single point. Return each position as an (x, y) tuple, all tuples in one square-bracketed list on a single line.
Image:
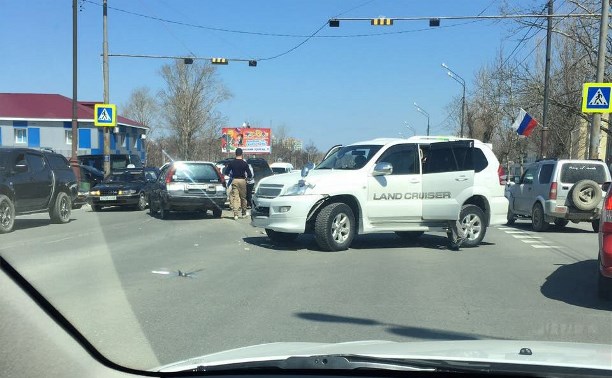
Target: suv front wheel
[(335, 227)]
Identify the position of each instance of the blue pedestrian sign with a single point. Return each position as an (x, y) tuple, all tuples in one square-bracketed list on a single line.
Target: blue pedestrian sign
[(596, 98), (105, 115)]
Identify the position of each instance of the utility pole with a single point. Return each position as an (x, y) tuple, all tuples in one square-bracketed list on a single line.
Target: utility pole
[(74, 161), (544, 145), (107, 165), (601, 61)]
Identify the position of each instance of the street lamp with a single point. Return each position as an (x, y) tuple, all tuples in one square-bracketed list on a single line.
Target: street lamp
[(459, 80), (425, 114), (411, 128)]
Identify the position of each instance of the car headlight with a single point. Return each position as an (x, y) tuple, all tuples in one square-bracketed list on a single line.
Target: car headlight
[(94, 193), (299, 188), (127, 192)]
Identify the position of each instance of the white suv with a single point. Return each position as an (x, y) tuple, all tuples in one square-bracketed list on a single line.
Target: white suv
[(406, 186)]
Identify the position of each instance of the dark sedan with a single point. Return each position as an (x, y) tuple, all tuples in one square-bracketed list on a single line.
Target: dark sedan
[(129, 188)]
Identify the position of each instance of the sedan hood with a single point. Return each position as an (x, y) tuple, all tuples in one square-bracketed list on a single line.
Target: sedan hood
[(591, 356)]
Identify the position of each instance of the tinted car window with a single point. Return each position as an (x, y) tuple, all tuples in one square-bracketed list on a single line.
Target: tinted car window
[(545, 173), (195, 173), (403, 158), (573, 172), (440, 160), (58, 162), (36, 162), (480, 160)]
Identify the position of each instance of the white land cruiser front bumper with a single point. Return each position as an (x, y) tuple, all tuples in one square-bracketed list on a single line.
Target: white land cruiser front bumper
[(283, 213)]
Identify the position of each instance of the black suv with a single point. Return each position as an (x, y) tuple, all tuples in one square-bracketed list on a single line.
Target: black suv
[(33, 181)]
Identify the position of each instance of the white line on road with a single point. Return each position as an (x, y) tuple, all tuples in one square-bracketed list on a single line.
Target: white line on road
[(531, 241), (517, 232), (546, 246), (526, 237), (59, 240)]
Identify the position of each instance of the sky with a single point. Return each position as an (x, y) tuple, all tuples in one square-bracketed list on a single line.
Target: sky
[(344, 85)]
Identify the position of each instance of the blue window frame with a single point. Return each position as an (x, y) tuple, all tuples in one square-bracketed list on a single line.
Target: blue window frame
[(33, 137), (84, 138)]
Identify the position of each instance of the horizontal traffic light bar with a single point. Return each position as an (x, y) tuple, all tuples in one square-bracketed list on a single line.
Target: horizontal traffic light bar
[(435, 21), (190, 59)]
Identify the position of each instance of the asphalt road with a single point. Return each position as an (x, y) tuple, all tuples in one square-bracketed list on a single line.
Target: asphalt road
[(98, 270)]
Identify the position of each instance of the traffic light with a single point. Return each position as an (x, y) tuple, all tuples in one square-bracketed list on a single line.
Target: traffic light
[(434, 22), (252, 63), (381, 21), (188, 61), (334, 23), (218, 61)]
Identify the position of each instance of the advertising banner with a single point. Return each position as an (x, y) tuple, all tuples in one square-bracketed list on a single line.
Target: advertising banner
[(252, 140)]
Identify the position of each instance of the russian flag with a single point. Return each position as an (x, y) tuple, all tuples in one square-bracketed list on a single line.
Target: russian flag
[(524, 123)]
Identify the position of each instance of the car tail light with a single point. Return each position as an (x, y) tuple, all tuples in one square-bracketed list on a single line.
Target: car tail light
[(606, 230), (501, 174), (552, 194), (169, 175)]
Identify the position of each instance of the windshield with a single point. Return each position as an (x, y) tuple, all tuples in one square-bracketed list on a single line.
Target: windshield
[(125, 177), (350, 157), (445, 211)]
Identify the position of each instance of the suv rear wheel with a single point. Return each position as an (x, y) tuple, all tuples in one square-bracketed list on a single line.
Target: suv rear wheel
[(472, 220), (538, 222), (335, 227), (7, 214), (60, 211)]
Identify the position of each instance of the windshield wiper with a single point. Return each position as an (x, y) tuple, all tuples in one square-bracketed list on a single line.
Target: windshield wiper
[(346, 362)]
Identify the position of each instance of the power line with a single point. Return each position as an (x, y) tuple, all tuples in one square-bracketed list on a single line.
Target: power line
[(520, 43)]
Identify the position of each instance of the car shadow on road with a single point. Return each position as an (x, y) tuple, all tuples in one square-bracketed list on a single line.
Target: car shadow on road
[(396, 329), (361, 242), (575, 284), (25, 224), (526, 226)]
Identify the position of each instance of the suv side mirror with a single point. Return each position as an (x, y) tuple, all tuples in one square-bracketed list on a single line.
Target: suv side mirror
[(307, 168), (382, 169)]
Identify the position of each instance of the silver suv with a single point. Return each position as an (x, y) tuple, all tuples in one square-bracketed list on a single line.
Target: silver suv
[(558, 191)]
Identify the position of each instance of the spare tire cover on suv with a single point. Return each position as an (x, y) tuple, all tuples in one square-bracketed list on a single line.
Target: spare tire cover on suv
[(586, 195)]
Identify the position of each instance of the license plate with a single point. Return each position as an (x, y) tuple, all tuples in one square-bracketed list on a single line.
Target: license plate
[(196, 187), (108, 198)]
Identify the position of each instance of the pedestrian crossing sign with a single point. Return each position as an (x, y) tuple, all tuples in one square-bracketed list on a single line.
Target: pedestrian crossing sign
[(105, 115), (596, 98)]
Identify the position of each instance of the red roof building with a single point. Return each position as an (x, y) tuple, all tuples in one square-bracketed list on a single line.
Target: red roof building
[(40, 120)]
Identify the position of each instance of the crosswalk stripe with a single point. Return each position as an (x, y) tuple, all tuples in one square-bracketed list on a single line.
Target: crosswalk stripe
[(526, 237), (531, 241), (546, 246)]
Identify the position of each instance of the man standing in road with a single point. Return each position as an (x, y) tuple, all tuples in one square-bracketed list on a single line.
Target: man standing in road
[(239, 170)]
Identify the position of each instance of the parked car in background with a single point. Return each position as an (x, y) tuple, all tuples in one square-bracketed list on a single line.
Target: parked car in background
[(126, 188), (279, 167), (559, 191), (188, 186), (89, 177), (33, 181), (118, 161)]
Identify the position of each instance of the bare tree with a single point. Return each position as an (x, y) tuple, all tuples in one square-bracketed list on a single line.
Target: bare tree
[(142, 107), (189, 100)]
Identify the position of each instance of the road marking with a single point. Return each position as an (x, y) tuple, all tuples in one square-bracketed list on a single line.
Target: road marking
[(531, 241), (526, 237), (515, 232), (546, 246)]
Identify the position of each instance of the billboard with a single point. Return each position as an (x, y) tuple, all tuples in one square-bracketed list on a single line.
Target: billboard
[(252, 140)]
